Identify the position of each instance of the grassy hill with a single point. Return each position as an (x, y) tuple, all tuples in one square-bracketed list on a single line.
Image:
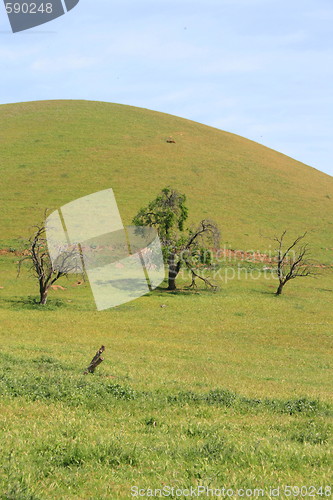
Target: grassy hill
[(231, 388), (55, 151)]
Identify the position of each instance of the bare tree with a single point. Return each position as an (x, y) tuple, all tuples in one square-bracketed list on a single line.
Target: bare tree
[(196, 252), (292, 261), (46, 271)]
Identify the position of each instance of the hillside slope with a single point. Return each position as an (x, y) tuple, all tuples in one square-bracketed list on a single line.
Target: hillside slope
[(55, 151)]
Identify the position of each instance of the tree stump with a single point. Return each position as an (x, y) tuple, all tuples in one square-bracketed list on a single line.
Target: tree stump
[(97, 360)]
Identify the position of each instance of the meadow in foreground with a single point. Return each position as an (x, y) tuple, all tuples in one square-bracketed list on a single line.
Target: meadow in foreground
[(232, 388)]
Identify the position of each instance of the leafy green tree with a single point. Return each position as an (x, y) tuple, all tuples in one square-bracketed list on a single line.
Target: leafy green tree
[(182, 247)]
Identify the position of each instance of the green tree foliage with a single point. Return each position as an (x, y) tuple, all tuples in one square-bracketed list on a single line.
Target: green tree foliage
[(182, 247)]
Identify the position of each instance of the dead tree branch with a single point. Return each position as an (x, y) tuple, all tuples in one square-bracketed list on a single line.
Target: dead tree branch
[(292, 262), (44, 269), (97, 360)]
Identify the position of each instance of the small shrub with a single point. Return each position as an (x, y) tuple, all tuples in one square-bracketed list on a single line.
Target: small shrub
[(115, 455), (184, 397), (221, 398), (33, 303), (151, 422), (120, 392), (313, 432), (302, 405), (194, 431), (47, 362)]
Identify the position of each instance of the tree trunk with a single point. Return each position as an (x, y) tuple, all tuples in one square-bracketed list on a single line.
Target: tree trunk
[(43, 291), (172, 279), (97, 360), (171, 282), (279, 290), (173, 271)]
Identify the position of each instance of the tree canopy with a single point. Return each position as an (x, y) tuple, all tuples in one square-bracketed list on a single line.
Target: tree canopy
[(190, 248)]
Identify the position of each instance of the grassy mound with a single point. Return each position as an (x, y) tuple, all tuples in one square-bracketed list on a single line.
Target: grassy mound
[(56, 151)]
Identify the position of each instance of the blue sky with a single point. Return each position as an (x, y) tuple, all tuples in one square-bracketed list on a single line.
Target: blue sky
[(262, 69)]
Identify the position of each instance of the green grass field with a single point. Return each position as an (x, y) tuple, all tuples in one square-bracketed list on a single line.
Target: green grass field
[(222, 389)]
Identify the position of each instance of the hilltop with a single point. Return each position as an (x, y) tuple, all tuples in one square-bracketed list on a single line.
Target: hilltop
[(55, 151)]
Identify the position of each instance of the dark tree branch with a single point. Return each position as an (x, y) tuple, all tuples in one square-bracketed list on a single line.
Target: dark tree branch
[(292, 266), (195, 275), (97, 360), (46, 272)]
